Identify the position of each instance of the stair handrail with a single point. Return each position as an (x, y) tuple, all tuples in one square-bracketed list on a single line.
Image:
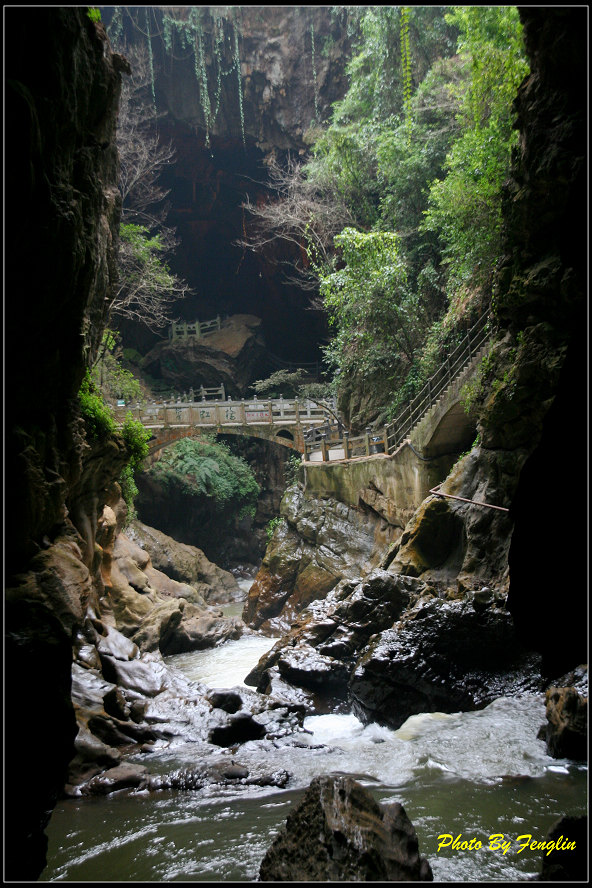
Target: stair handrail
[(450, 369)]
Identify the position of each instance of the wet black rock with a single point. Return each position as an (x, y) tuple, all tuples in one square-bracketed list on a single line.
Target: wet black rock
[(238, 730), (229, 701), (444, 657), (339, 833), (568, 861)]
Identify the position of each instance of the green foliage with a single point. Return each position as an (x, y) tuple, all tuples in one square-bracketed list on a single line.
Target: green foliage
[(374, 314), (465, 205), (110, 378), (98, 418), (418, 150), (207, 469), (292, 467), (129, 491), (136, 438), (148, 285), (406, 69), (271, 527), (93, 13)]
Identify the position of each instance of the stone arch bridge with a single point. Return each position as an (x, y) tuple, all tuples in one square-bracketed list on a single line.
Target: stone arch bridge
[(285, 422)]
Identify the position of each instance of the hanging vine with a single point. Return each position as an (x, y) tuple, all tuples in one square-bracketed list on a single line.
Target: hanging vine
[(115, 29), (314, 71), (150, 58), (238, 73), (406, 69), (190, 37)]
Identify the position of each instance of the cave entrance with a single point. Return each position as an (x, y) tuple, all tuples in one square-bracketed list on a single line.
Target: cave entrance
[(207, 186)]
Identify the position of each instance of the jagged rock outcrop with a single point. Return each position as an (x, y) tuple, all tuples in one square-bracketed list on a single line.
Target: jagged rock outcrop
[(185, 564), (566, 729), (153, 610), (232, 356), (338, 833), (390, 648), (62, 87), (128, 701), (319, 542)]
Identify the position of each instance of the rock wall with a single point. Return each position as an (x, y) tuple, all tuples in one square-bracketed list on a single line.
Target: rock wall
[(292, 68), (62, 214)]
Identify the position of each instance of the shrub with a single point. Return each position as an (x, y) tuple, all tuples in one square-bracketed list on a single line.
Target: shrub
[(208, 469), (98, 418)]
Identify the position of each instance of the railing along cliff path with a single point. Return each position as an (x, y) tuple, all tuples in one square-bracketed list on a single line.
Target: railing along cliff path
[(306, 426), (285, 421), (338, 445)]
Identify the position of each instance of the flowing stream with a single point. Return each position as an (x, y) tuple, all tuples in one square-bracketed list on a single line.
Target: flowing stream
[(477, 774)]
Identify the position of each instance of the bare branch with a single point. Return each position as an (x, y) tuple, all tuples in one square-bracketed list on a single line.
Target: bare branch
[(147, 289), (303, 215)]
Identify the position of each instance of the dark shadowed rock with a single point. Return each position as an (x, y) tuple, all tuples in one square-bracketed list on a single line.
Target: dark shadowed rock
[(568, 862), (566, 732), (339, 833), (229, 701), (442, 656), (239, 729)]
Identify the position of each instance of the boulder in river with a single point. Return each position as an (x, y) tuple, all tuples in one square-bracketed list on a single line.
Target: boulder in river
[(566, 731), (339, 833)]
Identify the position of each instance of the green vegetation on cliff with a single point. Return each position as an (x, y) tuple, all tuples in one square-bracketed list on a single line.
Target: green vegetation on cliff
[(410, 171), (208, 470), (100, 426)]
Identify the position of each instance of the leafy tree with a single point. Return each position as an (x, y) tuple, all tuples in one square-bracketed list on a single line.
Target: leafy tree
[(148, 289), (136, 439), (377, 319), (111, 378), (99, 422), (295, 384)]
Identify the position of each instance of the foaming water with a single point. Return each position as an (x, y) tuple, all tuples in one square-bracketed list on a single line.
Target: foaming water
[(225, 666), (476, 775)]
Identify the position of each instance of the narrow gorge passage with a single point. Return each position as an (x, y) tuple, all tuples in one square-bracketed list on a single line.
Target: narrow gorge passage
[(374, 622)]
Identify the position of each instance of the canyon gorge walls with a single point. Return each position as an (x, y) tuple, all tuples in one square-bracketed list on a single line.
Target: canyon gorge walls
[(63, 204), (62, 215)]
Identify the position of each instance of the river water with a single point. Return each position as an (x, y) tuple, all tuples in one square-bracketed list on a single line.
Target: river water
[(477, 774)]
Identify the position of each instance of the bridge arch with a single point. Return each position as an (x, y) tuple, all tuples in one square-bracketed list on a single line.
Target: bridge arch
[(166, 437), (452, 432)]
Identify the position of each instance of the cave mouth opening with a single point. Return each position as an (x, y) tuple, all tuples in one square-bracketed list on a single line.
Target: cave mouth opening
[(207, 186)]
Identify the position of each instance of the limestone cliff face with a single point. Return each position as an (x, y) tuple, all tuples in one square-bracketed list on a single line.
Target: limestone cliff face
[(289, 60), (63, 207)]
